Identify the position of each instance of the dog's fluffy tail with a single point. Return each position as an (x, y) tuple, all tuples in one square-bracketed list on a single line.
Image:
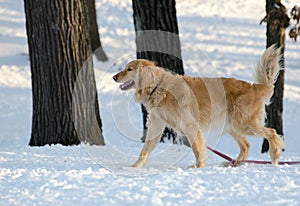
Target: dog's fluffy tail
[(268, 66)]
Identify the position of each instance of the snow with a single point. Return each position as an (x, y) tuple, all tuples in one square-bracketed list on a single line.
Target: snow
[(218, 38)]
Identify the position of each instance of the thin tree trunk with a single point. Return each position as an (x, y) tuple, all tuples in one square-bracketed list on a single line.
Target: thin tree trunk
[(157, 39), (93, 31), (65, 102), (277, 22)]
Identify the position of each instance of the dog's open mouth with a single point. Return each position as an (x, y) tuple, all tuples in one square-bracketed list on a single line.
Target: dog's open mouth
[(127, 85)]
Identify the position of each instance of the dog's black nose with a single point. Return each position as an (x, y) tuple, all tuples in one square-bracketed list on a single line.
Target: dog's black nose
[(115, 77)]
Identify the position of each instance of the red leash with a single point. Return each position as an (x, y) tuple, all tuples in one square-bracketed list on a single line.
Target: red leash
[(234, 161)]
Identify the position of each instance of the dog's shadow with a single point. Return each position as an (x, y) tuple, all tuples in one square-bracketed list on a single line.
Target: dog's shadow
[(167, 156)]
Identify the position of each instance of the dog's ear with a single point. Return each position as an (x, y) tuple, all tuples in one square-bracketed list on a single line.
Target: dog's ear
[(138, 77), (145, 63), (153, 63)]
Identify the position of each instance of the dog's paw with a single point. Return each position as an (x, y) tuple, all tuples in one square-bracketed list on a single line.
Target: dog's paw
[(231, 164), (195, 166), (227, 164), (138, 164)]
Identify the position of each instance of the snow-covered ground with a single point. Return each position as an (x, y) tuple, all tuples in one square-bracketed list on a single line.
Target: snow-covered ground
[(219, 38)]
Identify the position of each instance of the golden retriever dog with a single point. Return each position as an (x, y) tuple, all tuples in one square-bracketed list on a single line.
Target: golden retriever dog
[(191, 105)]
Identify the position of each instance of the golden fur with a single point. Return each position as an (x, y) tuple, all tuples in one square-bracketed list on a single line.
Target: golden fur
[(192, 105)]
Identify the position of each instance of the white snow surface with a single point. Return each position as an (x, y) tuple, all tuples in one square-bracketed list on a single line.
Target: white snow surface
[(218, 38)]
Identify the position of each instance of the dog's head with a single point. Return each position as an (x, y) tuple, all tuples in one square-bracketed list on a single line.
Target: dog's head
[(129, 76)]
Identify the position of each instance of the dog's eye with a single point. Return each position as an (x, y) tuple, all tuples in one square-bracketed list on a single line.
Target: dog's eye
[(129, 69)]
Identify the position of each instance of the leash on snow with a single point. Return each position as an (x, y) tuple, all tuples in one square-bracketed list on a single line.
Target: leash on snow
[(234, 161)]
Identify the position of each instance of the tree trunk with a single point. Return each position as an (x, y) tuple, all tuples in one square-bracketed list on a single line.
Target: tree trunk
[(93, 31), (157, 39), (277, 22), (65, 102)]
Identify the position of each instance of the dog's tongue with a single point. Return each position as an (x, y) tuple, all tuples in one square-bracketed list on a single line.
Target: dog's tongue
[(127, 85)]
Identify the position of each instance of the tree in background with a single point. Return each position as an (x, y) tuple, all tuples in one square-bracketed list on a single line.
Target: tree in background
[(277, 22), (65, 102), (157, 40), (93, 31)]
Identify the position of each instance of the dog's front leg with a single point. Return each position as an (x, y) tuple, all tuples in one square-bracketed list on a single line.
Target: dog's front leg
[(154, 132), (197, 140)]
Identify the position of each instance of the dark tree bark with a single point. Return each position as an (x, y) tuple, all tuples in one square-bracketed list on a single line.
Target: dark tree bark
[(157, 39), (93, 31), (65, 102), (277, 22)]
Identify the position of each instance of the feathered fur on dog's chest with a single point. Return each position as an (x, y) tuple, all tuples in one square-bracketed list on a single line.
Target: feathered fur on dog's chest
[(171, 99), (149, 98)]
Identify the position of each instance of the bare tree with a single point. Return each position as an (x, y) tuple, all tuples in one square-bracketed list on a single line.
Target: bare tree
[(277, 22), (93, 31), (65, 102), (157, 39)]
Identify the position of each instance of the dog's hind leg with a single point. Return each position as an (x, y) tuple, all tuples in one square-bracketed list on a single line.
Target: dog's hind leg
[(275, 141), (154, 132)]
